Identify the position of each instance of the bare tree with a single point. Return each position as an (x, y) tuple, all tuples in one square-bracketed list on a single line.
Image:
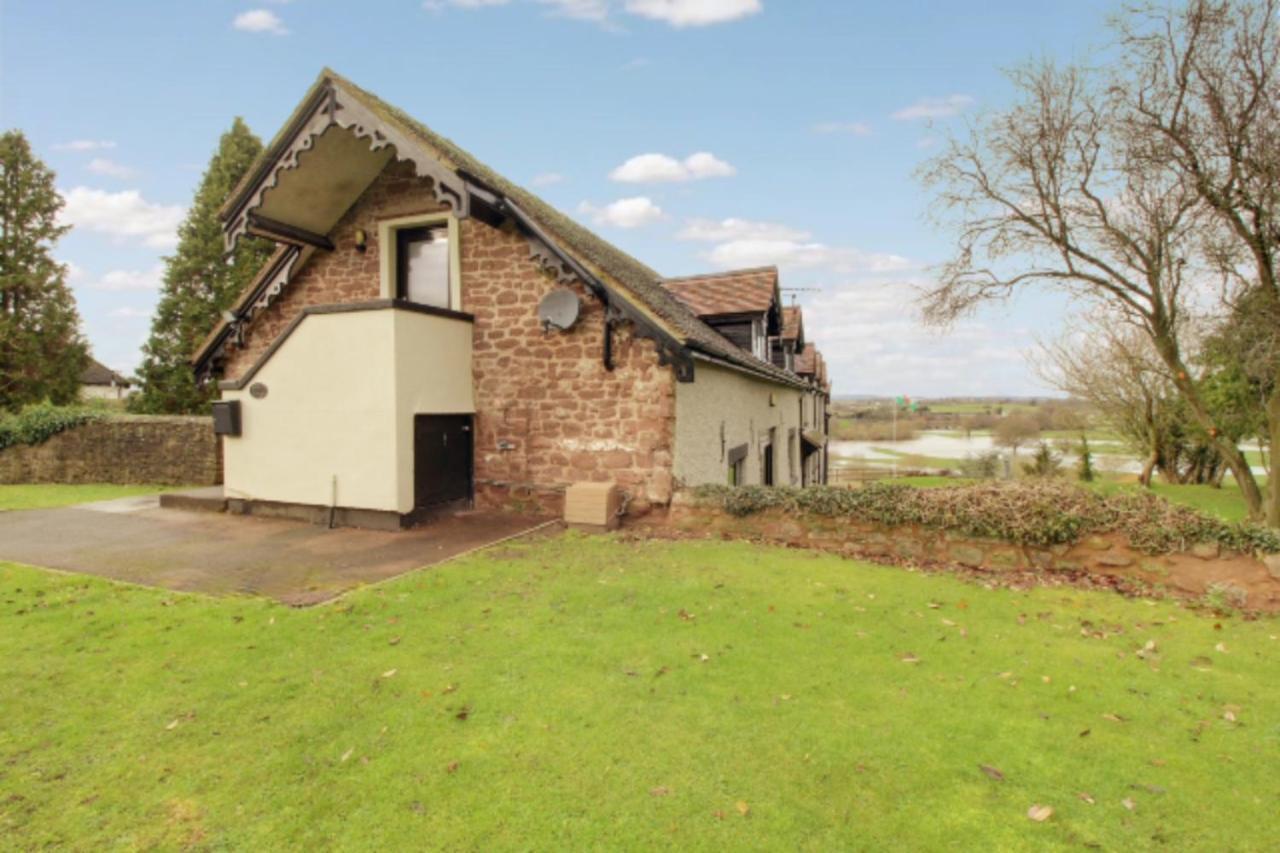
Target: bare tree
[(1203, 95), (1116, 369), (1059, 190), (1013, 431)]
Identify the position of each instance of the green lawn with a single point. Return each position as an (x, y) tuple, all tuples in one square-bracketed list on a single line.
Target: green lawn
[(1225, 503), (587, 692), (45, 495)]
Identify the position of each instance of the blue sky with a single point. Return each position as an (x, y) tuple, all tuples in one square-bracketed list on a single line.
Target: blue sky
[(696, 134)]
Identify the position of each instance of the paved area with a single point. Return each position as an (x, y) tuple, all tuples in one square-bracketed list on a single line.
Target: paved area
[(133, 539)]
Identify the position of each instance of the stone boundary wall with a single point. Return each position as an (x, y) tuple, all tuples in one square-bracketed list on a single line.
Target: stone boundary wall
[(172, 451), (1247, 580)]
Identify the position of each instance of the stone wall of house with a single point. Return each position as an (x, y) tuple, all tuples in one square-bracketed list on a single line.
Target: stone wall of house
[(128, 449), (1243, 579), (547, 411)]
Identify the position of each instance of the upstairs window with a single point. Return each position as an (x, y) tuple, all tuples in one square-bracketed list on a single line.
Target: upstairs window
[(423, 265)]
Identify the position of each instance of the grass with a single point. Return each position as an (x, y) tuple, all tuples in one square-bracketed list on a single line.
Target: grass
[(1225, 503), (48, 495), (586, 692)]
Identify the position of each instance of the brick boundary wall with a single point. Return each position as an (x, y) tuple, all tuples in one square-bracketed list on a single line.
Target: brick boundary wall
[(1250, 581), (174, 451)]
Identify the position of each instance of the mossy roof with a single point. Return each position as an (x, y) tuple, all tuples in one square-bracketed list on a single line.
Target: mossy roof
[(637, 281)]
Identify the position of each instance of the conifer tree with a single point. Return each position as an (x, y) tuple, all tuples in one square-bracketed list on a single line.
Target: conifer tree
[(42, 352), (199, 283)]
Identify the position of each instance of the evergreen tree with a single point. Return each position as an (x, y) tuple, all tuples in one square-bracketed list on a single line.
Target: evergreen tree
[(42, 352), (1084, 468), (199, 283)]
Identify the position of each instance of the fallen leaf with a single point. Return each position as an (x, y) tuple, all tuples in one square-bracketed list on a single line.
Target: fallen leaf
[(1128, 804), (948, 623), (991, 772), (660, 791), (452, 768), (389, 673), (1221, 647), (1040, 813), (743, 808), (394, 641), (1229, 716), (463, 714), (172, 725), (346, 755), (933, 605), (910, 658), (1086, 798), (1115, 718), (449, 688)]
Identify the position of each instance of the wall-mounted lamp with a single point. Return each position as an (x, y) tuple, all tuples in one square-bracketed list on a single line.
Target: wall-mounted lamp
[(362, 240)]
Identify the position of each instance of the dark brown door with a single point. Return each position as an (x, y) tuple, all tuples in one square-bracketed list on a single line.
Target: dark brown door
[(441, 459)]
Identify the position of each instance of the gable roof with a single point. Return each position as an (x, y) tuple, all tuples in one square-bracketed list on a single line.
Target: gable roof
[(807, 360), (97, 373), (640, 285), (792, 323), (734, 292)]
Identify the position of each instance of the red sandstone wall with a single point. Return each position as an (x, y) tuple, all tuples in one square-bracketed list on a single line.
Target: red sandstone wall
[(547, 412)]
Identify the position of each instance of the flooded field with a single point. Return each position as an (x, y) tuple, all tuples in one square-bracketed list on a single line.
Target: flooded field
[(937, 450)]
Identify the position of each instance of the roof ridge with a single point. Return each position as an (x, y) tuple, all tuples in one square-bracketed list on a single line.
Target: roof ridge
[(723, 274), (639, 283)]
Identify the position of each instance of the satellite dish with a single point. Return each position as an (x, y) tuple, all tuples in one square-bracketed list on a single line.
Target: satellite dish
[(558, 310)]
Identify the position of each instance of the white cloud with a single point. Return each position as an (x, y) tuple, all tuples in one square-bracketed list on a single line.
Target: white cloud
[(581, 10), (85, 145), (547, 179), (260, 21), (128, 312), (110, 168), (623, 213), (724, 230), (694, 13), (661, 168), (852, 128), (677, 13), (869, 330), (930, 108), (122, 280), (124, 215), (798, 254)]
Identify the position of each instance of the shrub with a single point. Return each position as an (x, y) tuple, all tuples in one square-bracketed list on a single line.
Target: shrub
[(1084, 468), (1044, 463), (39, 422), (981, 466), (1028, 513)]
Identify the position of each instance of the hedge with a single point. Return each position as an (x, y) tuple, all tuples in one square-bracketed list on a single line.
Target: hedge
[(38, 423), (1040, 513)]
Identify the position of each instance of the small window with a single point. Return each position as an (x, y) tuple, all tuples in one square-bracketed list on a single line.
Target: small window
[(422, 265), (738, 465)]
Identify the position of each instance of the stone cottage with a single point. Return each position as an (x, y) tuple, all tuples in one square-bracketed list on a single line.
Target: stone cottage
[(428, 332)]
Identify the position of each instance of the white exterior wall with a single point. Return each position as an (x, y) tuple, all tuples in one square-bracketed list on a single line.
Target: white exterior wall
[(341, 394), (745, 408)]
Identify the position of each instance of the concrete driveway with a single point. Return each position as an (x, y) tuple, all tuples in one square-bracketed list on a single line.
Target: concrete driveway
[(133, 539)]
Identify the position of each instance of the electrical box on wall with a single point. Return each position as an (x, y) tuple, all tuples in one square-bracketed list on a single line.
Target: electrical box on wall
[(226, 417)]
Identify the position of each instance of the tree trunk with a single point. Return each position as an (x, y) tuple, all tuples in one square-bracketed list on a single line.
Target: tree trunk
[(1147, 468), (1273, 469), (1231, 454)]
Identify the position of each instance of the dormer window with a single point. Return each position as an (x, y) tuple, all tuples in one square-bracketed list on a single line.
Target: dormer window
[(760, 338)]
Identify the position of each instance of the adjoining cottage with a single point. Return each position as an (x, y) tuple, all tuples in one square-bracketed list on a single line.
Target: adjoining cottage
[(99, 382), (429, 332)]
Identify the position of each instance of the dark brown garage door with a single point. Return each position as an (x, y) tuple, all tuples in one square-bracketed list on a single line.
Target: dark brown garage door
[(442, 459)]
